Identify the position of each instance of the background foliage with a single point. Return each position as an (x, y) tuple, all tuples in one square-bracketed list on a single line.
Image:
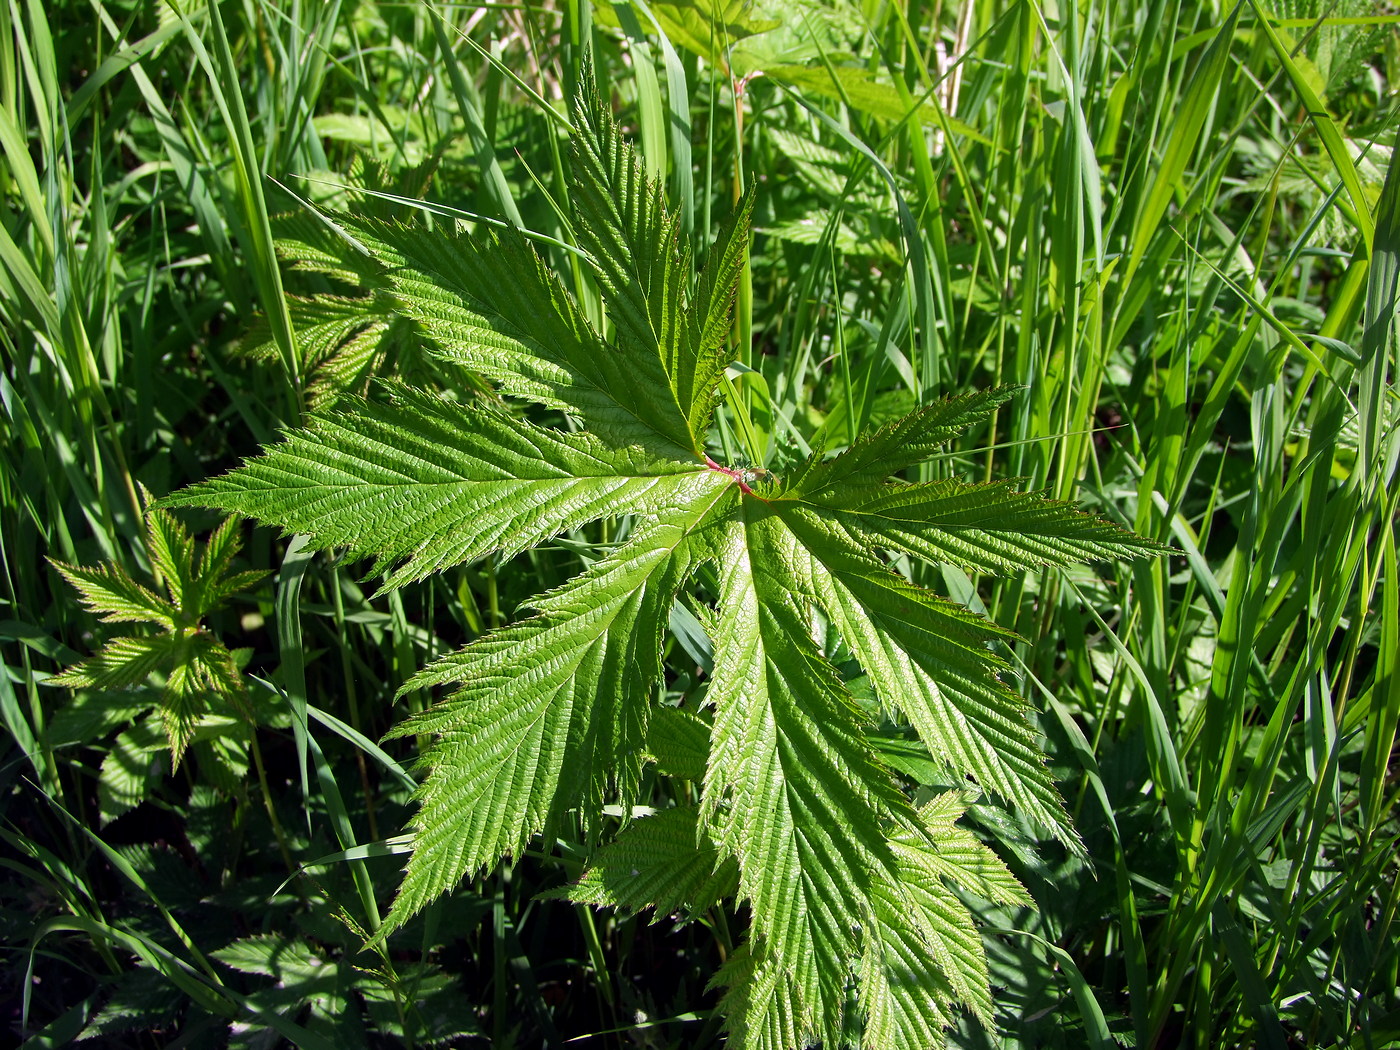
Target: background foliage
[(1175, 223)]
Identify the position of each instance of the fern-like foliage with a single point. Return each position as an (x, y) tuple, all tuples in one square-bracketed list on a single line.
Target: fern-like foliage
[(850, 886)]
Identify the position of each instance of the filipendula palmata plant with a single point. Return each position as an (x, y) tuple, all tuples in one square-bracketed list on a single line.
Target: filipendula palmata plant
[(202, 687), (850, 887)]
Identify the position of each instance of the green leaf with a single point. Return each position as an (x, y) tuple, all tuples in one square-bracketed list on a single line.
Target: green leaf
[(761, 1008), (662, 862), (794, 793), (709, 28), (679, 741), (491, 304), (960, 858), (303, 976), (200, 673), (107, 589), (316, 243), (860, 89), (989, 528), (899, 444), (127, 770), (927, 659), (697, 363), (270, 955), (553, 712), (172, 553), (633, 240), (924, 952), (213, 581), (121, 663), (342, 341), (433, 483)]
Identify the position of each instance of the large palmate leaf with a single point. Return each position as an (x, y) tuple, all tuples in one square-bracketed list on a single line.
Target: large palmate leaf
[(850, 888)]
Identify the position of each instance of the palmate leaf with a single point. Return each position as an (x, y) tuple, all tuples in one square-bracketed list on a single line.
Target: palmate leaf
[(198, 668), (851, 890), (987, 527), (120, 664)]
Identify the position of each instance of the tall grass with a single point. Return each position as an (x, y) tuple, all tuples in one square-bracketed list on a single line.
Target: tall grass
[(1177, 225)]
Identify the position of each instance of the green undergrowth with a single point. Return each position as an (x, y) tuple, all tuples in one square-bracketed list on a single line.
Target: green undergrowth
[(1174, 229)]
